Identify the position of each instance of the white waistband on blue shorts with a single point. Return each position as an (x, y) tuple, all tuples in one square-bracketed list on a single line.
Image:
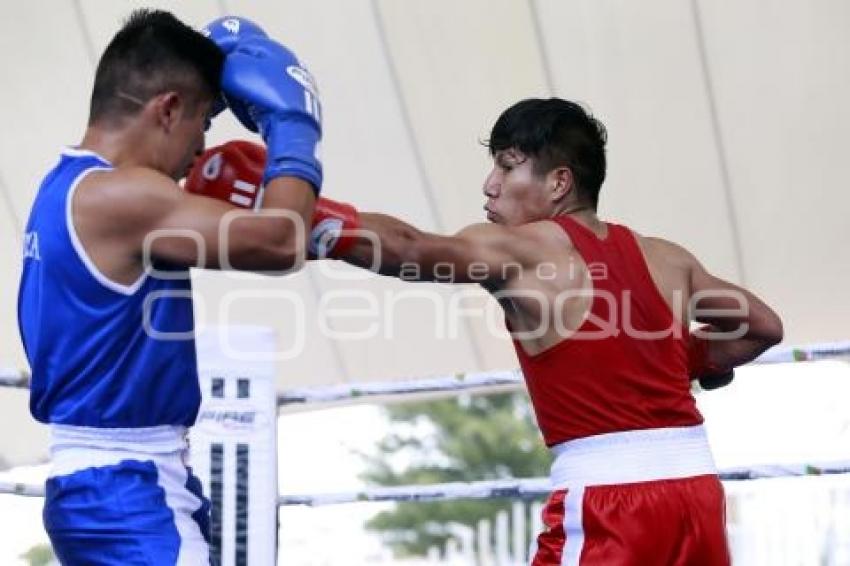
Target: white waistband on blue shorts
[(632, 456), (73, 448)]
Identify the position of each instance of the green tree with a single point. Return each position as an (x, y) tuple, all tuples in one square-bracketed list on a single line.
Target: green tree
[(39, 555), (466, 438)]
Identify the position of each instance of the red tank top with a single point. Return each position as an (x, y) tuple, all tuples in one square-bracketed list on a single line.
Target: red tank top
[(634, 373)]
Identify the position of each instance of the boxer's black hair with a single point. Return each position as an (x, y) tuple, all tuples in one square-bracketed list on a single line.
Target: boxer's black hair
[(555, 133), (152, 53)]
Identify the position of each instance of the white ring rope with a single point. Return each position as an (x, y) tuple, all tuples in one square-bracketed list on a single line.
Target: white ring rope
[(514, 488), (533, 487), (353, 391), (462, 382), (10, 377), (17, 488)]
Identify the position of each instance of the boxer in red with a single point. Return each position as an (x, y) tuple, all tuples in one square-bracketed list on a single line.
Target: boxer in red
[(600, 318)]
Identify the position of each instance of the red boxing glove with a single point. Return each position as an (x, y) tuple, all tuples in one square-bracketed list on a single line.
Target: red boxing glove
[(331, 219), (232, 172), (700, 368)]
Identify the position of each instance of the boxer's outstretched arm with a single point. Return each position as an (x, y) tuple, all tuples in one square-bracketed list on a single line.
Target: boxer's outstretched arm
[(476, 254), (729, 308)]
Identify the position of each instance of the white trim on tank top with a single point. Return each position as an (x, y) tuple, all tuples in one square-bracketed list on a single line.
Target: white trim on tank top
[(78, 245), (79, 152)]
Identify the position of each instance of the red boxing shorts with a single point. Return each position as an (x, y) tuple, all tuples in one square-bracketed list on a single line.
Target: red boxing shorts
[(636, 498)]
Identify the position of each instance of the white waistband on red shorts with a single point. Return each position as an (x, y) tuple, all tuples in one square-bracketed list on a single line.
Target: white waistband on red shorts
[(73, 448), (632, 456)]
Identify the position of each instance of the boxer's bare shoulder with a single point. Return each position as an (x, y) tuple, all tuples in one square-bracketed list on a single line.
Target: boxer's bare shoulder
[(125, 192), (527, 244), (669, 253)]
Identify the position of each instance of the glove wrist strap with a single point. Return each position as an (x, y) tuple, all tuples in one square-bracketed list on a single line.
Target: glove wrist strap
[(293, 147)]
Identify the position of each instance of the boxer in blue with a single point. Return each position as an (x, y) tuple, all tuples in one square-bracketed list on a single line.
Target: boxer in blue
[(104, 305)]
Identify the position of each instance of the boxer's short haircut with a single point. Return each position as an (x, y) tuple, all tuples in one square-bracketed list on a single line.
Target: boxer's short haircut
[(152, 53), (555, 133)]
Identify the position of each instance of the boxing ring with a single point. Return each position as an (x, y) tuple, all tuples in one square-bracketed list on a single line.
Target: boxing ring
[(235, 452)]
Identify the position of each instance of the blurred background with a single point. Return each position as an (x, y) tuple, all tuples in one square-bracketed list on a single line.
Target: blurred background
[(728, 129)]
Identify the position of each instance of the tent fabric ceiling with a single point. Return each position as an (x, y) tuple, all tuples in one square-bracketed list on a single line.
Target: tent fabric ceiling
[(727, 133)]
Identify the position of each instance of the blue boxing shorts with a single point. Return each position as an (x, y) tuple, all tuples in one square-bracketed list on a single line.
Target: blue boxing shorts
[(124, 496)]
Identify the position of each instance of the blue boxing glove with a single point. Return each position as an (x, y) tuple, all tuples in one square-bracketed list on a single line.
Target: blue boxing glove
[(281, 98), (226, 32)]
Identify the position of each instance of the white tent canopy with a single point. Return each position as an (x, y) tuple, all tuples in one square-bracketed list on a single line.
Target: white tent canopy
[(727, 133)]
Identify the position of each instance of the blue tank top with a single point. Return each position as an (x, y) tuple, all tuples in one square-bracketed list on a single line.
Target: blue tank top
[(102, 354)]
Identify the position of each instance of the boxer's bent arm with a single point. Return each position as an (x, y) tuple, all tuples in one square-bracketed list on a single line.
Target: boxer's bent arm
[(174, 223), (476, 254), (739, 309)]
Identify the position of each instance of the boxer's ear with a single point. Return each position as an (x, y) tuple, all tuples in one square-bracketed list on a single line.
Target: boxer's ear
[(560, 181), (168, 108)]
